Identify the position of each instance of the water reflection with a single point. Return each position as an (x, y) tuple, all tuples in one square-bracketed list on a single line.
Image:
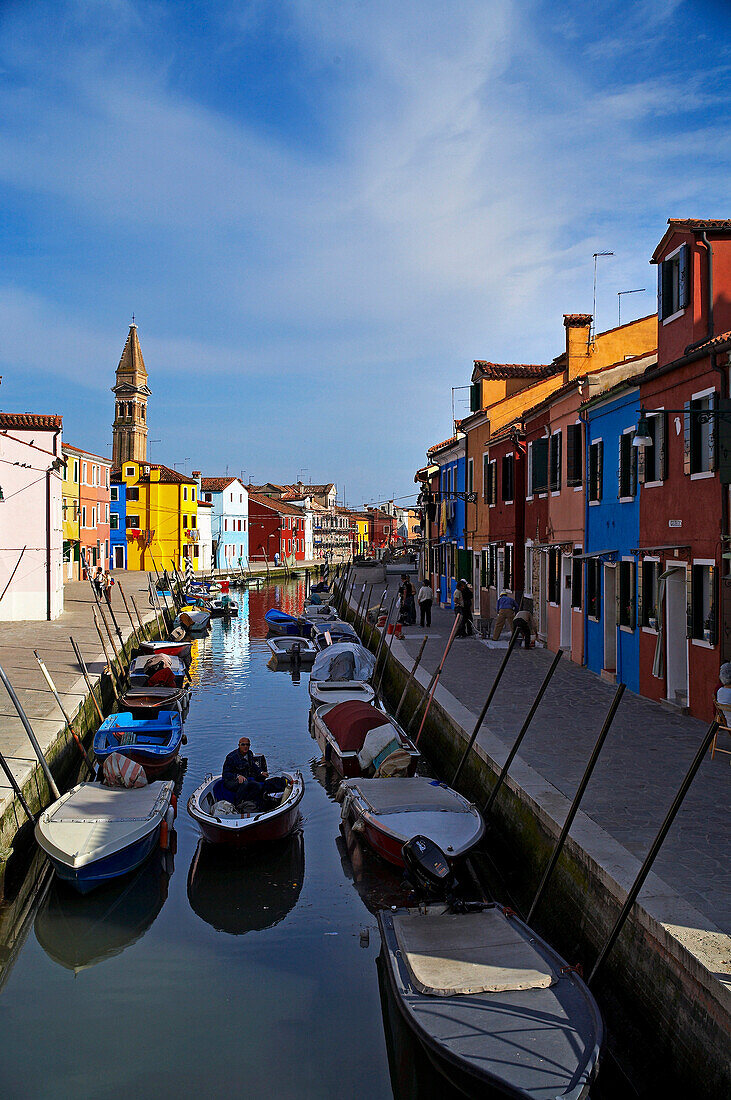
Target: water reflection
[(78, 931), (239, 893)]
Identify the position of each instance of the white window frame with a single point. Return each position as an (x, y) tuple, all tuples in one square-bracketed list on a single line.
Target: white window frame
[(670, 255), (556, 492), (594, 503), (701, 642), (633, 455), (702, 475), (660, 411), (640, 563)]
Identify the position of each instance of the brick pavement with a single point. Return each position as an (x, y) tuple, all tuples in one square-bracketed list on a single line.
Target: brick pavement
[(641, 766)]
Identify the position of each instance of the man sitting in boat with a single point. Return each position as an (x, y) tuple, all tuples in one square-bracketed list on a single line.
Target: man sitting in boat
[(246, 780)]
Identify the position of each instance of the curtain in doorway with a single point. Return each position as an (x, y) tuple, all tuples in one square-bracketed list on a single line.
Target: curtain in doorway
[(658, 665)]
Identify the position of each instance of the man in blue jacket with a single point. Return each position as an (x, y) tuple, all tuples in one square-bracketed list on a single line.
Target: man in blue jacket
[(243, 776)]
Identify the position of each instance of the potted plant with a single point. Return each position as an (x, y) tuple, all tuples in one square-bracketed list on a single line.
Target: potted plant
[(707, 630), (652, 619)]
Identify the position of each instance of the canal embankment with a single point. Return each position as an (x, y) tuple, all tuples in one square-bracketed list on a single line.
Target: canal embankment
[(18, 640), (669, 974)]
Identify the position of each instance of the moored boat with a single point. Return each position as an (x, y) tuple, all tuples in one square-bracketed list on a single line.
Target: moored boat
[(497, 1011), (279, 622), (146, 702), (220, 823), (359, 739), (143, 667), (319, 612), (341, 671), (194, 620), (332, 632), (223, 606), (154, 742), (174, 649), (282, 647), (95, 833), (388, 812)]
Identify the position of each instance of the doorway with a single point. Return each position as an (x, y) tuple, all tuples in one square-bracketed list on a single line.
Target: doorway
[(566, 568), (610, 619), (543, 594), (119, 557), (677, 642)]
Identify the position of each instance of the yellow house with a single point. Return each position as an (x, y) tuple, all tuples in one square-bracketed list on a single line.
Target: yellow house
[(71, 516), (361, 537), (162, 516)]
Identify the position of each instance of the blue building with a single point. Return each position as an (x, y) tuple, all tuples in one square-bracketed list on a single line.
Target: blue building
[(450, 558), (611, 628), (229, 520), (117, 525)]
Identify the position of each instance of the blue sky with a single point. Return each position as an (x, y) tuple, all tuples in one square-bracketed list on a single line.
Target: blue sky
[(321, 211)]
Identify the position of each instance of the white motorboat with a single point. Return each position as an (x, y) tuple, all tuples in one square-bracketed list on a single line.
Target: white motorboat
[(283, 646)]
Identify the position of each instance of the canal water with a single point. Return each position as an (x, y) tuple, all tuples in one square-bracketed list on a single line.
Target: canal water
[(211, 973)]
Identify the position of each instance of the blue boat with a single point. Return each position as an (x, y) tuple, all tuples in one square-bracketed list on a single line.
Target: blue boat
[(151, 742), (95, 833), (281, 623)]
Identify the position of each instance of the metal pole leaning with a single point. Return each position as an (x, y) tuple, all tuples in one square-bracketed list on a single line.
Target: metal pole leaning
[(381, 640), (110, 664), (486, 706), (357, 610), (521, 734), (576, 800), (364, 617), (28, 729), (16, 787), (57, 697), (137, 613), (655, 848), (85, 673), (389, 646), (429, 693), (411, 677), (129, 613)]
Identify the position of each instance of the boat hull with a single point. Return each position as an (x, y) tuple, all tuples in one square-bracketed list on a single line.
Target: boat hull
[(88, 878), (347, 763), (251, 831), (173, 649), (519, 1044)]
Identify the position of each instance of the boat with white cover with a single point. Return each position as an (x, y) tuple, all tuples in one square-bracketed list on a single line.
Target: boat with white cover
[(281, 647), (341, 672), (95, 833), (496, 1009), (388, 812)]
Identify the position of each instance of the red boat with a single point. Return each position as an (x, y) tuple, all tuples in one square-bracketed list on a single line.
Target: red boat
[(360, 739), (220, 823), (388, 812), (175, 649)]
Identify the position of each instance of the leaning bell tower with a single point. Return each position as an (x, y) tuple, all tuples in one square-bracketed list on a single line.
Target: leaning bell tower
[(131, 393)]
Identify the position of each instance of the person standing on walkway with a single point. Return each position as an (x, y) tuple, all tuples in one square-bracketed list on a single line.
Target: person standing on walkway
[(107, 581), (506, 608), (465, 627), (425, 598), (458, 603), (526, 626)]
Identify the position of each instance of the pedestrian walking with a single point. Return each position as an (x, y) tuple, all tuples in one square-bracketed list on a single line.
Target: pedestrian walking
[(525, 625), (425, 598), (466, 627), (457, 602), (107, 582), (506, 609)]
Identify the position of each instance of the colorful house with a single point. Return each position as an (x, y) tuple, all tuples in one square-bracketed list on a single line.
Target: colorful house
[(31, 524), (685, 471), (162, 516), (71, 513), (94, 501), (117, 523), (277, 530), (229, 498), (450, 559)]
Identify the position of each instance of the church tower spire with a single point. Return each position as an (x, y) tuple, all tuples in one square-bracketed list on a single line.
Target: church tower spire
[(131, 393)]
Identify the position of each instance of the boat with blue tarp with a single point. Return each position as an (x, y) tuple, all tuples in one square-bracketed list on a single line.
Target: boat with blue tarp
[(153, 742)]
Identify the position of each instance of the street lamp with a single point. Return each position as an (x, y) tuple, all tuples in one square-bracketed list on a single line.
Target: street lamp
[(642, 437)]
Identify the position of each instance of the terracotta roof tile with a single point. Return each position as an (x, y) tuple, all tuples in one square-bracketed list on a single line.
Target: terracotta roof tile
[(30, 420), (713, 344), (280, 506), (167, 476), (215, 484), (444, 443), (701, 223), (514, 370), (577, 320)]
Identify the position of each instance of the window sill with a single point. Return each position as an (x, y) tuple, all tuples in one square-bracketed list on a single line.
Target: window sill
[(626, 629), (594, 503), (702, 474), (702, 643), (626, 500), (577, 488), (673, 317), (593, 618), (555, 492), (650, 630)]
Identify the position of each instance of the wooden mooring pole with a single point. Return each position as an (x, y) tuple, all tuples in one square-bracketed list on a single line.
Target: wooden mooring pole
[(486, 706)]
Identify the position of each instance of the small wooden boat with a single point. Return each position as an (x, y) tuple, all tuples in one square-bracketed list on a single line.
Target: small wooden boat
[(174, 649), (496, 1009), (154, 742), (388, 812), (358, 738), (332, 632), (319, 612), (141, 668), (279, 622), (194, 620), (146, 702), (95, 833), (341, 672), (282, 648), (220, 823)]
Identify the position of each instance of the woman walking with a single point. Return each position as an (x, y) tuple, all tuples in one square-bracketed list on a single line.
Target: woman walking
[(425, 598)]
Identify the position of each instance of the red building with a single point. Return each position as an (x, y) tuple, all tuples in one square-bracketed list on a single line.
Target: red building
[(537, 534), (275, 527), (684, 586), (381, 528), (503, 562)]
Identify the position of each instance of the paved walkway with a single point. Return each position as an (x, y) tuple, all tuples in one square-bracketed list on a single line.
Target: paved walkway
[(643, 762), (51, 639)]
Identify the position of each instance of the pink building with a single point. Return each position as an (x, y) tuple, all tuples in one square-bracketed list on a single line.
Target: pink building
[(31, 537)]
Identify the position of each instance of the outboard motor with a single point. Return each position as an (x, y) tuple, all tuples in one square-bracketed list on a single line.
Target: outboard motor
[(295, 654), (428, 870)]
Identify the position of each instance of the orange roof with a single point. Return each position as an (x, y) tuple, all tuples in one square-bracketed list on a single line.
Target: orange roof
[(514, 370), (44, 421), (216, 484), (275, 505), (167, 476)]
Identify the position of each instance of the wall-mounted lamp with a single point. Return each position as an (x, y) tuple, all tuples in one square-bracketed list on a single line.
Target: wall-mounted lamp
[(642, 437)]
